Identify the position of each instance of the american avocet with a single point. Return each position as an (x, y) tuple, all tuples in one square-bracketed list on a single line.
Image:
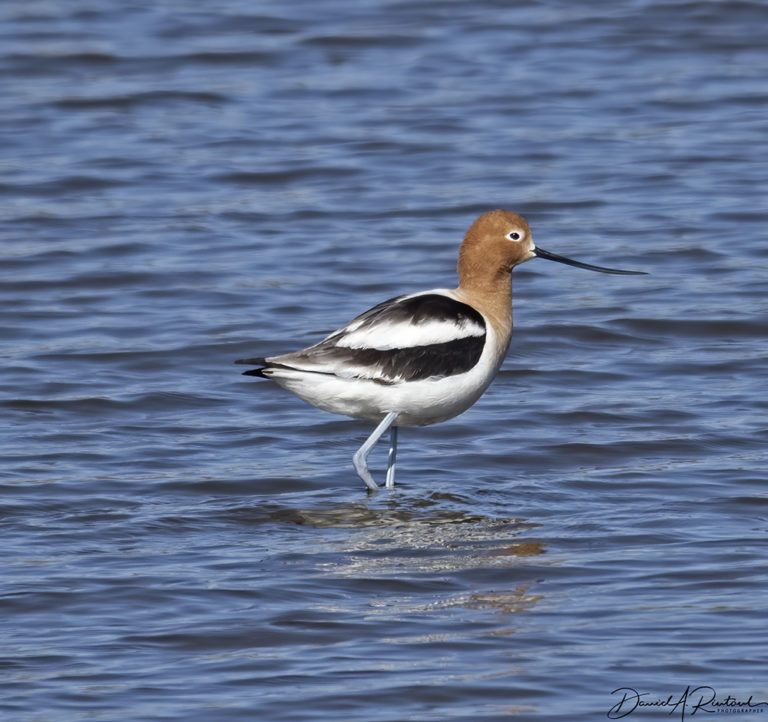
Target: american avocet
[(424, 357)]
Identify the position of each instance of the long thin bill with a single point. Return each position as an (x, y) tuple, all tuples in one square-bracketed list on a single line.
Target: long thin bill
[(541, 253)]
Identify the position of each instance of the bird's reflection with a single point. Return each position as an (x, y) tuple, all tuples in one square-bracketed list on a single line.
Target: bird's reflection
[(424, 543)]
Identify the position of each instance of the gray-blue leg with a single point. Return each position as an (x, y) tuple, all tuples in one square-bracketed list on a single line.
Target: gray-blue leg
[(390, 483), (360, 459)]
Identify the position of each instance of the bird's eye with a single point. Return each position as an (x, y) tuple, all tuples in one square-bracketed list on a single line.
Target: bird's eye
[(514, 236)]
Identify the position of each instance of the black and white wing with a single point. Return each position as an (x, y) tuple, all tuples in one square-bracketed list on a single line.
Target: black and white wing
[(408, 338)]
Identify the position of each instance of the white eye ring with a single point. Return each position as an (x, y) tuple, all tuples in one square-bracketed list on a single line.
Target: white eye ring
[(515, 236)]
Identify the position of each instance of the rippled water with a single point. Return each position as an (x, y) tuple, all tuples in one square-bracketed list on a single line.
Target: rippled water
[(184, 185)]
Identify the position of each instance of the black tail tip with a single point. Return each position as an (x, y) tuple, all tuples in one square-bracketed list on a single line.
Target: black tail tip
[(258, 361)]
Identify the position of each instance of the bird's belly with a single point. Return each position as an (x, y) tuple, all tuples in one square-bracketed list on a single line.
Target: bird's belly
[(418, 403), (433, 400)]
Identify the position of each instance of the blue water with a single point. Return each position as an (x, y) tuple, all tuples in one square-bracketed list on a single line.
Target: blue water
[(182, 185)]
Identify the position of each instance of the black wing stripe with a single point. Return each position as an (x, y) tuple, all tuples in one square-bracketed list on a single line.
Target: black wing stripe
[(434, 361)]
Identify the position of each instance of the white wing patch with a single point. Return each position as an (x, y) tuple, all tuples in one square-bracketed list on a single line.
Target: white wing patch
[(389, 334)]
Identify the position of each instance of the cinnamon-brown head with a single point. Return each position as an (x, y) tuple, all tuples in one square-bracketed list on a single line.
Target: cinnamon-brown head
[(494, 244)]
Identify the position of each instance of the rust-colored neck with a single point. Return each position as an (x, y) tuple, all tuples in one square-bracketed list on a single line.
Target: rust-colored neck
[(485, 279)]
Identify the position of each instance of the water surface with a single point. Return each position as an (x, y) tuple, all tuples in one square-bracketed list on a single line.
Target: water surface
[(182, 186)]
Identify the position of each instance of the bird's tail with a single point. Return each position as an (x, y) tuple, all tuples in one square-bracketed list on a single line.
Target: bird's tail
[(253, 362)]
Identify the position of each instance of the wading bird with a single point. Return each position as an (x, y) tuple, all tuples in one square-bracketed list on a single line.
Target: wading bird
[(423, 357)]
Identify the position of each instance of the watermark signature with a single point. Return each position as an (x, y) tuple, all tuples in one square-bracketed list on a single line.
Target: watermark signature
[(691, 701)]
